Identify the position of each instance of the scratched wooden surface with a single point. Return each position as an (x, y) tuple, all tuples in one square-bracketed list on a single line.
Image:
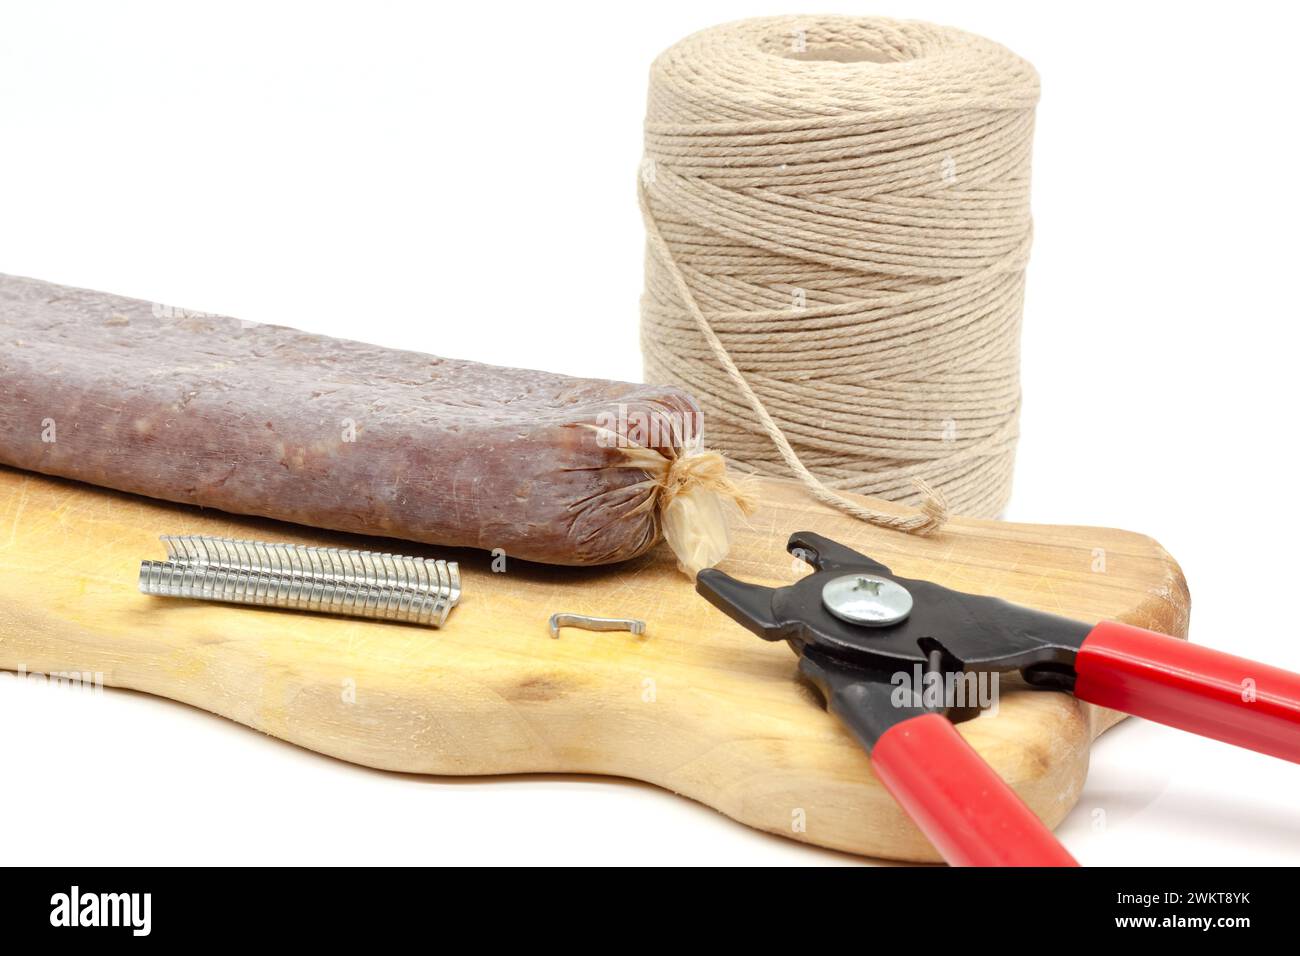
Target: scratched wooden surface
[(697, 705)]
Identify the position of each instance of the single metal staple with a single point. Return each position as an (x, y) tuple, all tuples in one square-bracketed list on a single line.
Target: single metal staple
[(564, 619)]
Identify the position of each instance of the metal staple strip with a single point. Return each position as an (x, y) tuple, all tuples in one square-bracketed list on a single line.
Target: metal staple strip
[(300, 577), (367, 568), (167, 579)]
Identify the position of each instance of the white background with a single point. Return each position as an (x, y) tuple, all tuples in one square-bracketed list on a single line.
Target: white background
[(459, 178)]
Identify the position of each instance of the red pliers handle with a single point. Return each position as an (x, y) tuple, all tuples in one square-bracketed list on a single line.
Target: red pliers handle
[(974, 819), (958, 801), (1190, 687)]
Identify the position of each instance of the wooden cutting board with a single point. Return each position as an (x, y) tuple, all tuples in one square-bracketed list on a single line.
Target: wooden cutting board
[(698, 705)]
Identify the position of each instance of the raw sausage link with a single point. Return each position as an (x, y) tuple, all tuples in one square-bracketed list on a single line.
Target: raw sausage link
[(267, 420)]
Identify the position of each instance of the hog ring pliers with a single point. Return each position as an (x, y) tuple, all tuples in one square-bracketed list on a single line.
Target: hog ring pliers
[(854, 626)]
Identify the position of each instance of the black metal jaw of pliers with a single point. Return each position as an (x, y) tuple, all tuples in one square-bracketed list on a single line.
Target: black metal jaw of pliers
[(855, 666)]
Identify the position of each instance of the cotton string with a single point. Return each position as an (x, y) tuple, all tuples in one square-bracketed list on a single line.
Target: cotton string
[(837, 215)]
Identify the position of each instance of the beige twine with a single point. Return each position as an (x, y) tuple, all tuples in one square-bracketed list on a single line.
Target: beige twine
[(837, 212)]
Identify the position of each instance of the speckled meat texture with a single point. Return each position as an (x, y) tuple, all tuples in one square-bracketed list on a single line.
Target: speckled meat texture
[(266, 420)]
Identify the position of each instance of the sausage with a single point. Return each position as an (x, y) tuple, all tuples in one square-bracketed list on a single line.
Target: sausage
[(267, 420)]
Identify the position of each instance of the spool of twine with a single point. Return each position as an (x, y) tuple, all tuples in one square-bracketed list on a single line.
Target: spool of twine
[(837, 215)]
